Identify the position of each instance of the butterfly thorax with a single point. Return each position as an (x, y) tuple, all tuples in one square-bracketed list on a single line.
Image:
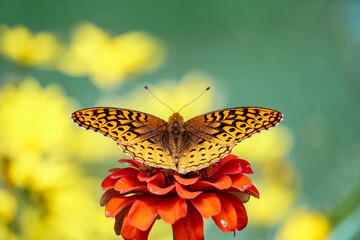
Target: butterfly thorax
[(175, 128)]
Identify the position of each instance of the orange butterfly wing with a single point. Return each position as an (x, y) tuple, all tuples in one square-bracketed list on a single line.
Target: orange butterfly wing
[(138, 134), (213, 135)]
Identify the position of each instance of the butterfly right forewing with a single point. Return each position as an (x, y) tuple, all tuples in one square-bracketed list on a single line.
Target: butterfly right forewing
[(213, 135)]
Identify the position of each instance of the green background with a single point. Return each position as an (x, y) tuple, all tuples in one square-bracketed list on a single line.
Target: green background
[(298, 57)]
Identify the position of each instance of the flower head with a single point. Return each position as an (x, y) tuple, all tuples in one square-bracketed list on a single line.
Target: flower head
[(25, 48), (109, 59), (138, 195)]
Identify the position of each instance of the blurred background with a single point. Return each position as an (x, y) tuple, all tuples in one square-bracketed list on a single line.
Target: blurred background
[(300, 59)]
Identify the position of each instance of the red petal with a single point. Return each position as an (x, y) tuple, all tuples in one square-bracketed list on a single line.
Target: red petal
[(130, 162), (208, 204), (112, 170), (157, 190), (232, 166), (242, 218), (183, 193), (253, 191), (186, 181), (172, 209), (189, 227), (223, 182), (108, 183), (128, 184), (143, 213), (159, 177), (124, 172), (119, 220), (246, 167), (226, 220), (118, 204), (129, 232), (107, 196), (241, 182)]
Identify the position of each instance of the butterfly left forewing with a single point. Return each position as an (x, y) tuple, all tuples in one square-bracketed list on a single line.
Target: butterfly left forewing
[(122, 125), (219, 131)]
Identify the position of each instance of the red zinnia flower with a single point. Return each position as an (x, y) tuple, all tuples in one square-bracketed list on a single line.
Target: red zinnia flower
[(139, 194)]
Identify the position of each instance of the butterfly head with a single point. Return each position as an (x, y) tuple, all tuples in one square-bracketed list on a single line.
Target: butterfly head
[(176, 123)]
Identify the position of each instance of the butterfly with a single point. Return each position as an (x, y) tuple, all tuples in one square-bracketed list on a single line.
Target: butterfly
[(180, 145)]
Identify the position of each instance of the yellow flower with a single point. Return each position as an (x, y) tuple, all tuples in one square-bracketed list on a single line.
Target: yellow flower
[(7, 207), (38, 123), (34, 120), (267, 146), (108, 60), (39, 144), (275, 201), (304, 224), (174, 94), (28, 49)]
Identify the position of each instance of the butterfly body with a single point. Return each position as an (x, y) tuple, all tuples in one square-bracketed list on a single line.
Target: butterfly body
[(180, 145)]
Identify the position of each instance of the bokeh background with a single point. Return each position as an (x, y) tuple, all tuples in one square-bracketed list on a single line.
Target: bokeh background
[(300, 58)]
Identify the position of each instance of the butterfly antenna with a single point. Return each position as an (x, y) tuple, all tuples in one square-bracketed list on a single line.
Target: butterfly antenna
[(195, 98), (147, 88)]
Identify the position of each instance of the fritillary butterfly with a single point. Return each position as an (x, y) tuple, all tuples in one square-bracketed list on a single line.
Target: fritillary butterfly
[(180, 145)]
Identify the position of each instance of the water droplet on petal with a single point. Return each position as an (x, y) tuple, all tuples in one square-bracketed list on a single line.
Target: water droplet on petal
[(223, 223), (107, 214)]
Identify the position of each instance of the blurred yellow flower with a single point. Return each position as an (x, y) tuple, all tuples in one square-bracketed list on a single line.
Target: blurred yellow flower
[(51, 198), (7, 207), (174, 93), (33, 120), (267, 146), (25, 48), (108, 60), (275, 201), (304, 224), (38, 124)]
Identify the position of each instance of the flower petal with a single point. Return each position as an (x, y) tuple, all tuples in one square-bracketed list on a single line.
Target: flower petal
[(241, 182), (129, 232), (223, 182), (241, 215), (119, 220), (118, 204), (183, 193), (226, 220), (253, 191), (128, 184), (130, 162), (208, 204), (172, 209), (107, 196), (157, 190), (189, 227), (232, 166), (186, 181), (144, 177), (124, 172), (143, 213), (108, 183)]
